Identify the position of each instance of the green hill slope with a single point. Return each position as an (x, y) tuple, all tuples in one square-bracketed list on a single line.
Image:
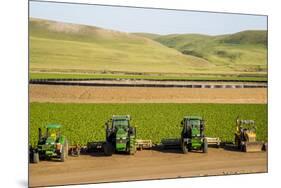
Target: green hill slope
[(243, 52), (63, 47)]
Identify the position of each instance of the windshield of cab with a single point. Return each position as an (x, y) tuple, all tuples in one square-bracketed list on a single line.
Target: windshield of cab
[(195, 127), (120, 123), (195, 123)]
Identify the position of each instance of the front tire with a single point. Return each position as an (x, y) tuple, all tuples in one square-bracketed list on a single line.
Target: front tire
[(132, 146), (108, 149), (205, 146), (132, 151)]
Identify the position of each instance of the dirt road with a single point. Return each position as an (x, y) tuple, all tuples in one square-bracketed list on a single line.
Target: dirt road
[(88, 94), (146, 164)]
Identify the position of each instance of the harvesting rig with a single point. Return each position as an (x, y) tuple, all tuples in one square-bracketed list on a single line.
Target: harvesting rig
[(192, 136), (120, 137), (245, 136), (50, 145)]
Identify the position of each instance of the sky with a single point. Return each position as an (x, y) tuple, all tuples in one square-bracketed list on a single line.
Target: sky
[(156, 21)]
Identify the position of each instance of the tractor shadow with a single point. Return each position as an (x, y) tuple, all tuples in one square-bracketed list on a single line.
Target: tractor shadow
[(176, 150), (99, 153), (93, 153), (231, 147)]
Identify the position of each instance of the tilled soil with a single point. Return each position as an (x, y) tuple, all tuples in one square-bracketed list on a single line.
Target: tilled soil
[(146, 164), (90, 94)]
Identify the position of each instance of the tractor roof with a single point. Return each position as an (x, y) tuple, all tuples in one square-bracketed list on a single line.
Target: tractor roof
[(247, 121), (193, 117), (121, 117), (53, 126)]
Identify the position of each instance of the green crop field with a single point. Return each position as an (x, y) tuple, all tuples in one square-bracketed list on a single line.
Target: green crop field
[(85, 122)]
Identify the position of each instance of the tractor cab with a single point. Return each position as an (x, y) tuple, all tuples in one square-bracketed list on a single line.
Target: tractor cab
[(118, 125), (51, 144), (121, 122), (245, 136), (52, 134), (193, 136), (246, 130), (193, 126), (246, 126)]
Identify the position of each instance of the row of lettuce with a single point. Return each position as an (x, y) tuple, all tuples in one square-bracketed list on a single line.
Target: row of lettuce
[(85, 122)]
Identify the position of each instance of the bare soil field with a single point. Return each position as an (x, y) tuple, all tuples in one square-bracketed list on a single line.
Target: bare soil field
[(146, 164), (90, 94)]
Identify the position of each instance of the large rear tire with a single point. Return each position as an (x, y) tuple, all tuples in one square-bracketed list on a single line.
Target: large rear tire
[(132, 146), (36, 157), (205, 146), (244, 148), (132, 150), (108, 149)]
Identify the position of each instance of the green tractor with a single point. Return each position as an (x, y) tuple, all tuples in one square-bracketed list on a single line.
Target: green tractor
[(192, 135), (50, 145), (120, 136)]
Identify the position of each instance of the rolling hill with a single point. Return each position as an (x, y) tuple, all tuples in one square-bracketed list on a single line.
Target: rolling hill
[(57, 47), (244, 51)]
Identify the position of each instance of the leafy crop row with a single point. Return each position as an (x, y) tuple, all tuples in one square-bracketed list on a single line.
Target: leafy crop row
[(85, 122)]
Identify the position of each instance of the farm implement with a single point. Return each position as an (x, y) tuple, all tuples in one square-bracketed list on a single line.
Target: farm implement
[(120, 137), (192, 136), (50, 145), (245, 136)]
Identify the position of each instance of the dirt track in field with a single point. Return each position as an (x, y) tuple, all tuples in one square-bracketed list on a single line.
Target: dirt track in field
[(146, 164), (89, 94)]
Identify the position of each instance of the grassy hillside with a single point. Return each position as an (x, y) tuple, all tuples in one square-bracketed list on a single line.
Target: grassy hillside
[(63, 47), (244, 51), (57, 47)]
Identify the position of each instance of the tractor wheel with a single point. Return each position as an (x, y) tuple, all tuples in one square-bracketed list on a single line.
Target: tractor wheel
[(36, 157), (205, 146), (132, 150), (184, 148), (78, 152), (131, 146), (31, 152), (238, 142), (244, 148), (107, 149), (63, 154)]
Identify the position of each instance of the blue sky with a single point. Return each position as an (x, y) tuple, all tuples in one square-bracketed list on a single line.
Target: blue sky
[(147, 20)]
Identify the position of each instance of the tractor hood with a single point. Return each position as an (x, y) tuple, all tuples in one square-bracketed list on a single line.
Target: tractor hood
[(121, 134), (50, 140)]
